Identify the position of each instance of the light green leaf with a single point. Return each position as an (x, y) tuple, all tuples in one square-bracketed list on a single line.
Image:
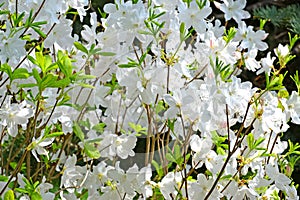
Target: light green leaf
[(38, 31), (129, 65), (60, 83), (55, 134), (106, 53), (91, 151), (80, 47), (9, 195), (36, 196), (20, 73), (7, 69), (78, 132), (36, 75), (170, 158)]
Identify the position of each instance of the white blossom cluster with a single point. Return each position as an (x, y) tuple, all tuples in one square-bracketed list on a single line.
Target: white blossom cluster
[(167, 82)]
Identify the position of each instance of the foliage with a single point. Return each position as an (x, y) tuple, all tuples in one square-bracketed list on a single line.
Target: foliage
[(281, 17), (150, 106)]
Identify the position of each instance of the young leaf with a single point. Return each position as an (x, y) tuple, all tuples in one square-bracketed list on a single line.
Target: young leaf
[(250, 141), (9, 195), (38, 31), (91, 151), (80, 47), (7, 69), (36, 196), (127, 65), (36, 76), (78, 132), (158, 169), (170, 158), (106, 53), (55, 134), (20, 73)]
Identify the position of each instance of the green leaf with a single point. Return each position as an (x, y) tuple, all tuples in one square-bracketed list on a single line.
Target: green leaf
[(28, 85), (91, 151), (21, 190), (99, 127), (4, 12), (82, 76), (3, 178), (80, 47), (226, 177), (37, 24), (127, 65), (33, 60), (158, 169), (36, 75), (171, 124), (40, 60), (170, 158), (36, 196), (78, 132), (38, 31), (177, 153), (60, 83), (275, 83), (182, 31), (220, 151), (229, 34), (48, 80), (250, 141), (9, 195), (85, 85), (55, 134), (258, 142), (51, 67), (106, 53), (20, 73), (7, 69)]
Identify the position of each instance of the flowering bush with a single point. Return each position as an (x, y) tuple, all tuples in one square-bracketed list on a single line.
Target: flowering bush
[(149, 108)]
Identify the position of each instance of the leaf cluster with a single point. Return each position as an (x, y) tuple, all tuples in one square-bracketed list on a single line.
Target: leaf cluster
[(288, 17)]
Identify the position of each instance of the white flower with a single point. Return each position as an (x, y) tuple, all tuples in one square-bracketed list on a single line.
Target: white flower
[(67, 124), (282, 51), (72, 174), (251, 39), (169, 184), (79, 6), (194, 16), (267, 64), (251, 63), (294, 107), (50, 11), (11, 46), (237, 94), (200, 188), (15, 114), (132, 180), (124, 145), (234, 9), (201, 147), (273, 119), (39, 144), (291, 193), (61, 35), (174, 103), (281, 180), (89, 33), (245, 192), (44, 190)]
